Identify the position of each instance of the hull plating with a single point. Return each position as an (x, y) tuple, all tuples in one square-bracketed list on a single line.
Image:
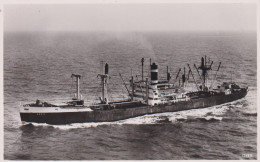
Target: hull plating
[(119, 114)]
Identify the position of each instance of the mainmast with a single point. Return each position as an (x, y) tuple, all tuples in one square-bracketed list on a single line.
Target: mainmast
[(204, 68)]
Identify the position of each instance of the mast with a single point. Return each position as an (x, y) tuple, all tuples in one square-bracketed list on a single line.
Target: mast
[(77, 76), (124, 84), (142, 60), (177, 76), (133, 89), (183, 77), (198, 72), (132, 86), (204, 68), (193, 77), (103, 77), (216, 75), (147, 90), (168, 75)]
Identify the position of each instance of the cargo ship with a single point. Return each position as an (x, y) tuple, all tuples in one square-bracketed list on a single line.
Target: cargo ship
[(146, 96)]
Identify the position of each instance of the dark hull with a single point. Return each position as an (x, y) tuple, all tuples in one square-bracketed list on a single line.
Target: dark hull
[(119, 114)]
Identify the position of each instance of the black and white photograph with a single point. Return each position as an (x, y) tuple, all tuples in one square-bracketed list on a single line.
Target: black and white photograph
[(122, 80)]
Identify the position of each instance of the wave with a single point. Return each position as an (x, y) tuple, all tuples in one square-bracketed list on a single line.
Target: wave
[(237, 120), (249, 113), (201, 119), (68, 126)]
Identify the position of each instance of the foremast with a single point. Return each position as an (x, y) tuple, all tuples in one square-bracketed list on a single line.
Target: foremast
[(104, 77), (204, 67), (77, 76)]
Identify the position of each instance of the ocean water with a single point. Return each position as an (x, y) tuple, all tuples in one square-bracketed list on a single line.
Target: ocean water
[(39, 66)]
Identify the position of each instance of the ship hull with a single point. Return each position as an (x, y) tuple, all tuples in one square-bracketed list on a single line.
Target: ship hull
[(124, 113)]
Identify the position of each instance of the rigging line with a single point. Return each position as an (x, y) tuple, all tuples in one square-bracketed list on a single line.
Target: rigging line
[(124, 83), (110, 93), (215, 75), (140, 86), (109, 90), (175, 80), (95, 98), (96, 94), (198, 72), (99, 90), (84, 83), (121, 88), (193, 77), (123, 91), (123, 94), (73, 87)]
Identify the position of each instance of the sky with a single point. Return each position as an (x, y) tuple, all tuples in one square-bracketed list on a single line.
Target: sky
[(131, 17)]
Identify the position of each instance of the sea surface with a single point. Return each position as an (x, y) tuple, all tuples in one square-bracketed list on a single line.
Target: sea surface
[(38, 65)]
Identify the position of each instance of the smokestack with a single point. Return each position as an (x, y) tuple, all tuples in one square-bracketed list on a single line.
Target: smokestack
[(154, 73), (202, 63), (106, 68)]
